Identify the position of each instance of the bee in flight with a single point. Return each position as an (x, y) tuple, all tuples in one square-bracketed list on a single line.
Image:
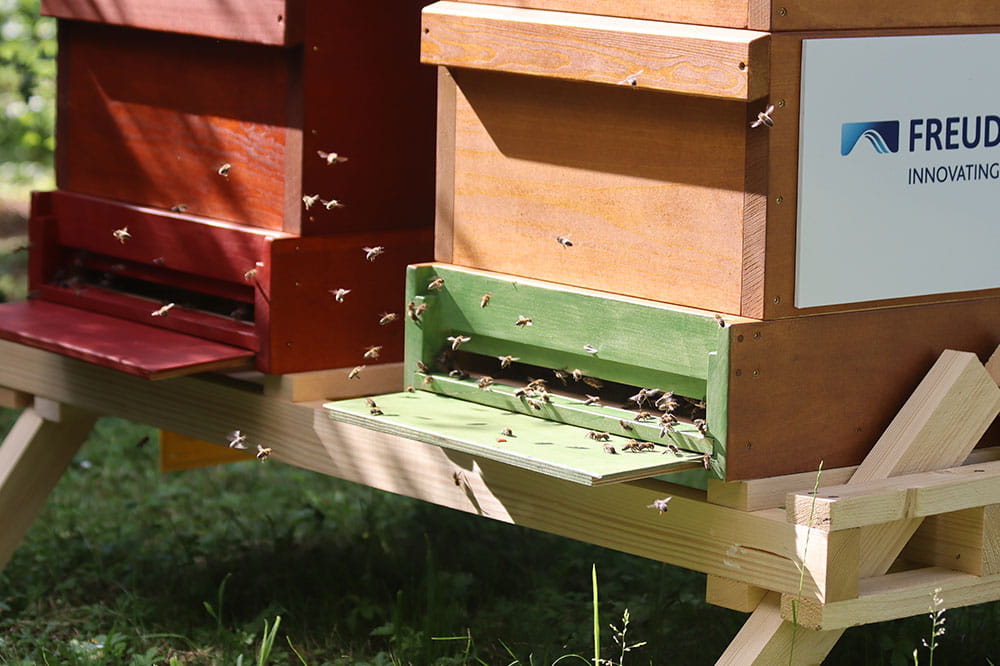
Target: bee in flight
[(331, 158)]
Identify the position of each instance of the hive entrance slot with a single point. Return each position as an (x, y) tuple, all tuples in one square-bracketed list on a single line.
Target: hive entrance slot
[(641, 413)]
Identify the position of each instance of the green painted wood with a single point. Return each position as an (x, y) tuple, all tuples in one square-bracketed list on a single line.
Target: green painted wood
[(548, 447), (717, 402), (640, 343), (574, 412)]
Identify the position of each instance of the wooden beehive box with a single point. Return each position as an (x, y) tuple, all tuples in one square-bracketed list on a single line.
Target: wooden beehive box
[(776, 397), (782, 15), (643, 143), (192, 138)]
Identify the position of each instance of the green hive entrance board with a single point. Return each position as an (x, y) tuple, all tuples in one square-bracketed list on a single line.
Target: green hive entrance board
[(548, 447)]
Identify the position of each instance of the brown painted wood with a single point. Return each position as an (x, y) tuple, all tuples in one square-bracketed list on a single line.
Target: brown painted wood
[(141, 350), (777, 297), (783, 15), (267, 22), (634, 178), (653, 55), (444, 209), (823, 388), (160, 138)]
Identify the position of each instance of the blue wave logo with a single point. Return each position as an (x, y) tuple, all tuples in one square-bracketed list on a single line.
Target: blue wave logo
[(882, 135)]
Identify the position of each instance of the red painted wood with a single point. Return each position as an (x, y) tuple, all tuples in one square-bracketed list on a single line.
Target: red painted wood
[(132, 308), (264, 21), (108, 341), (184, 243), (327, 334), (151, 117), (366, 96)]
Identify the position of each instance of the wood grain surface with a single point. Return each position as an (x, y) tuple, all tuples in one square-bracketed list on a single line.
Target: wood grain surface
[(698, 60), (268, 22)]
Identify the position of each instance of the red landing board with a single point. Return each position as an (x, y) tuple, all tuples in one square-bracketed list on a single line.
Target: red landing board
[(135, 348)]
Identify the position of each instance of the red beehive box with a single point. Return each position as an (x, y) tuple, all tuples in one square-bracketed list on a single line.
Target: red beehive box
[(230, 161)]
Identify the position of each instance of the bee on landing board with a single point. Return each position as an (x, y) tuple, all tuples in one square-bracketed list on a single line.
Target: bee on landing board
[(484, 301), (523, 321)]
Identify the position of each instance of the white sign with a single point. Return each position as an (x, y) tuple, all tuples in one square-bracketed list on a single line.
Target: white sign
[(899, 168)]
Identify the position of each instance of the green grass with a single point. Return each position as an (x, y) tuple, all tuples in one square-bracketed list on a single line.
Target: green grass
[(191, 565)]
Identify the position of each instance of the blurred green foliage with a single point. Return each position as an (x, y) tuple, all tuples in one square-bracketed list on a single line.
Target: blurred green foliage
[(27, 92)]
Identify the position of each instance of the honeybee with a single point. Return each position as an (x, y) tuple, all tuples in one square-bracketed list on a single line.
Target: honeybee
[(667, 403), (520, 393), (702, 427), (592, 399), (457, 341), (625, 425), (536, 385), (642, 416), (373, 352), (561, 376), (422, 367), (534, 404), (764, 118), (697, 404), (458, 373), (660, 504), (178, 208), (565, 242), (330, 204), (353, 374), (250, 274), (485, 382), (263, 453), (410, 389), (593, 382), (387, 318), (609, 448), (720, 320), (631, 445), (672, 448), (505, 361), (523, 321), (427, 380), (370, 402), (706, 460), (237, 440), (435, 284), (598, 436), (484, 301), (646, 446), (507, 432), (330, 158), (372, 252), (162, 312), (414, 311), (121, 234), (590, 349), (577, 374), (225, 169), (338, 294), (309, 200), (375, 411), (457, 478)]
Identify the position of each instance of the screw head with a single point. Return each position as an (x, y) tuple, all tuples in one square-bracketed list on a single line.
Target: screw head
[(782, 11)]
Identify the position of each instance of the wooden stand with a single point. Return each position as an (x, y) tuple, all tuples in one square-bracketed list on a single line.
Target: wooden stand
[(823, 559)]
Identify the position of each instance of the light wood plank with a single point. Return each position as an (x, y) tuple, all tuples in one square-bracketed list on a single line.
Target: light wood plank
[(334, 384), (699, 60), (961, 540), (703, 12), (33, 457), (12, 399), (898, 498), (937, 427), (895, 596), (732, 594), (760, 548)]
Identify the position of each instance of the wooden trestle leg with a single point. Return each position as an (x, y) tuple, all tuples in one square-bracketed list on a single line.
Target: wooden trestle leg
[(937, 428), (33, 457)]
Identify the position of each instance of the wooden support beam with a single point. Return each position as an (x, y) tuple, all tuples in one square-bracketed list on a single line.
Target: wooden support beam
[(759, 548), (758, 494), (733, 594), (898, 498), (334, 384), (894, 596), (179, 452), (967, 540), (12, 399), (937, 427), (33, 457)]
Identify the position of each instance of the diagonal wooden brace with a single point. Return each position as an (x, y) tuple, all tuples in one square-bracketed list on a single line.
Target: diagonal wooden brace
[(937, 427), (33, 457)]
